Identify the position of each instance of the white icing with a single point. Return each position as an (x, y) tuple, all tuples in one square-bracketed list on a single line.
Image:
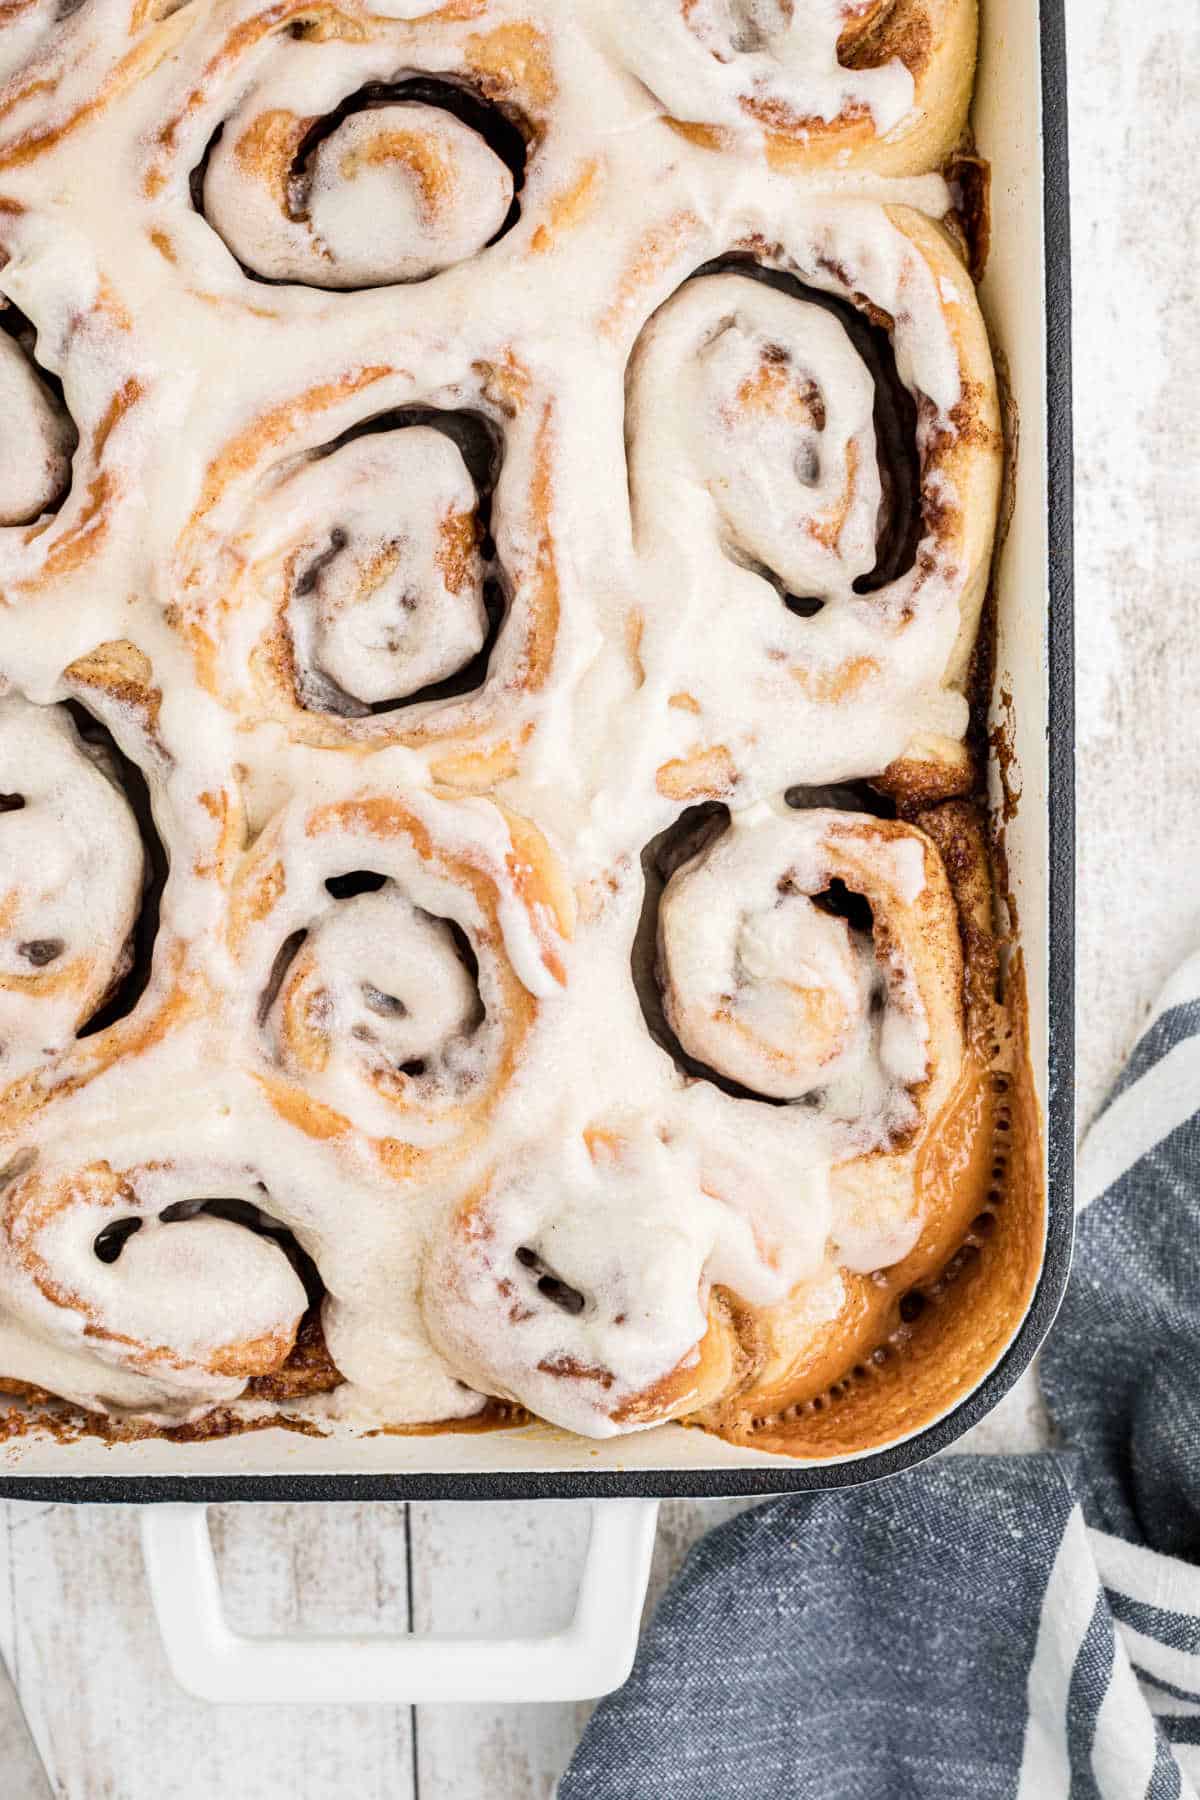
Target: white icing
[(384, 598), (780, 434), (22, 27), (760, 984), (36, 440), (380, 983), (394, 193), (769, 990), (71, 870), (177, 1309), (712, 60), (610, 381)]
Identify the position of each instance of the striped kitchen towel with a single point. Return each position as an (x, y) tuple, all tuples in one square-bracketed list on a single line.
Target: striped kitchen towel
[(1025, 1627)]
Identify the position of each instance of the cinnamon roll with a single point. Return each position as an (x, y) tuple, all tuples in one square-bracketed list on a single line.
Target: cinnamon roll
[(127, 1267), (36, 436), (72, 885), (599, 1333), (382, 576), (399, 949), (338, 147), (815, 458), (879, 84)]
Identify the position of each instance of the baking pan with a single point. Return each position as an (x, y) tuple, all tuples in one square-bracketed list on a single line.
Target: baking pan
[(1031, 221), (1021, 125)]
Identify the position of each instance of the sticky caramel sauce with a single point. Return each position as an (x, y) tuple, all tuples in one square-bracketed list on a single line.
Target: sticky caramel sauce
[(494, 1415)]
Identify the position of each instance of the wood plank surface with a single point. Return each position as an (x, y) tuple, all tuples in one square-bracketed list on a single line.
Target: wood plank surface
[(1136, 238), (78, 1634)]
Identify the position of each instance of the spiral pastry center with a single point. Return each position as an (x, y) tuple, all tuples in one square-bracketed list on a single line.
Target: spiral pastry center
[(71, 886), (386, 598), (789, 1004), (377, 980), (784, 381), (773, 992), (767, 982), (774, 408), (394, 192), (36, 440)]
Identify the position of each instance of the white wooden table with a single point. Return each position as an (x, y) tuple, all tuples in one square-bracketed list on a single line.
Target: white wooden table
[(75, 1623)]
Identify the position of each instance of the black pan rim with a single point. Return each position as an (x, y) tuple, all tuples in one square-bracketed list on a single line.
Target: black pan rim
[(601, 1484)]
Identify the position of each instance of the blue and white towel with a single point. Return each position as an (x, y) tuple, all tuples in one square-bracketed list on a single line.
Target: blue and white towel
[(1025, 1627)]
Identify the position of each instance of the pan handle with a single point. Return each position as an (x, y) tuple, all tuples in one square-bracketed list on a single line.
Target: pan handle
[(590, 1656)]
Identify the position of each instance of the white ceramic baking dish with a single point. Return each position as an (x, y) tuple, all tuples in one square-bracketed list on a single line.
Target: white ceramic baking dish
[(1021, 127)]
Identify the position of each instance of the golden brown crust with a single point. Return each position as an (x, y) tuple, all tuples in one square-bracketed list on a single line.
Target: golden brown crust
[(307, 1369)]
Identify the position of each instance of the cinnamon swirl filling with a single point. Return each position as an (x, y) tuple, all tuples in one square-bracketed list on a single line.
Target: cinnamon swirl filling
[(37, 437), (494, 910), (887, 81), (400, 951), (376, 547), (795, 960), (390, 184), (181, 1302), (72, 883)]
